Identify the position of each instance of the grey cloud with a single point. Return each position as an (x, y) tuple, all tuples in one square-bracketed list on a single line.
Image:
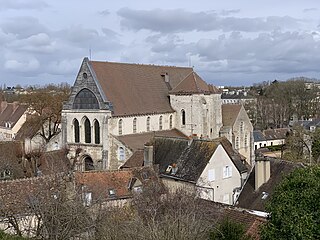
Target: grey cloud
[(23, 27), (229, 12), (104, 12), (179, 20), (306, 10), (22, 4), (110, 33)]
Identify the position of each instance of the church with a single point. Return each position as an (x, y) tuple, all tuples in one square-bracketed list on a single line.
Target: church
[(115, 108)]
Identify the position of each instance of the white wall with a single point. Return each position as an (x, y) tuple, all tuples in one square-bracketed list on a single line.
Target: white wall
[(222, 187)]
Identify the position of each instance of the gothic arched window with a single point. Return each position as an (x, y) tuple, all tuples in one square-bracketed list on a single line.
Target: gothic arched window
[(76, 130), (148, 124), (96, 132), (183, 117), (87, 131), (85, 99), (134, 125), (160, 123), (120, 127)]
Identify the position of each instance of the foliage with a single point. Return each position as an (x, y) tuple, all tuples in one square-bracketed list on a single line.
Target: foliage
[(5, 236), (228, 230), (295, 207), (316, 146), (46, 106)]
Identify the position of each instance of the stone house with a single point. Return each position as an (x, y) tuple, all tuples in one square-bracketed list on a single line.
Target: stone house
[(211, 168), (113, 100), (12, 117)]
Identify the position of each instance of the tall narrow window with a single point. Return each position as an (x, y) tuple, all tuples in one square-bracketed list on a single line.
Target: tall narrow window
[(148, 124), (76, 130), (183, 117), (241, 127), (237, 142), (87, 131), (134, 125), (121, 154), (96, 132), (160, 123), (120, 127), (170, 122), (246, 140)]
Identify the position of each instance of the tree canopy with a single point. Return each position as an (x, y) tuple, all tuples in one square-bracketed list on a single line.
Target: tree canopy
[(295, 207)]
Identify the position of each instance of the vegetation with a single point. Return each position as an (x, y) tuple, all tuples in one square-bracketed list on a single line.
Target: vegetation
[(5, 236), (295, 207)]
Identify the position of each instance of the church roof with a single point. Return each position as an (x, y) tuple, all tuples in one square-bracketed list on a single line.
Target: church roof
[(193, 84), (138, 89), (230, 113)]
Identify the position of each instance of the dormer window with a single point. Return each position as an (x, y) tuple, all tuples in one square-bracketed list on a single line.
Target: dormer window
[(112, 192)]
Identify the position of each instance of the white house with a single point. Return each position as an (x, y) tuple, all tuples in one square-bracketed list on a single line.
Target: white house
[(212, 168)]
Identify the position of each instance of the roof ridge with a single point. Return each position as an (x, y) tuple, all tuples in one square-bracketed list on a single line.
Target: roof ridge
[(143, 64)]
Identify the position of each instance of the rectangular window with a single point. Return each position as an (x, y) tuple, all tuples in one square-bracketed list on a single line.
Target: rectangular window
[(211, 175), (227, 171)]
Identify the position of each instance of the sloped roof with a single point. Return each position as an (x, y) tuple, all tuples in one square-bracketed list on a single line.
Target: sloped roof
[(10, 159), (277, 133), (99, 183), (54, 162), (190, 159), (28, 130), (258, 136), (137, 141), (11, 113), (137, 88), (136, 160), (251, 199), (193, 84), (230, 113)]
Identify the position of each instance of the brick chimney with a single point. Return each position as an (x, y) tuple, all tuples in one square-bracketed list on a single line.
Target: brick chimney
[(262, 171), (148, 155)]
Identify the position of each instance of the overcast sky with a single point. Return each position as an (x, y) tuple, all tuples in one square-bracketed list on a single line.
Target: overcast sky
[(237, 42)]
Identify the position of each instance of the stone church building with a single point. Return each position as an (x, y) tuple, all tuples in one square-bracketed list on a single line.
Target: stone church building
[(112, 104)]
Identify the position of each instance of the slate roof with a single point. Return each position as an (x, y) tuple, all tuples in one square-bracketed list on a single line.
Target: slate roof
[(136, 160), (251, 199), (11, 113), (137, 141), (190, 159), (258, 136), (230, 113), (137, 88)]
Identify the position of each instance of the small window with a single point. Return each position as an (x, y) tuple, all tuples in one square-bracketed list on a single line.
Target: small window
[(148, 124), (76, 131), (227, 171), (170, 122), (87, 199), (160, 123), (211, 175), (145, 175), (183, 117), (121, 154), (237, 142), (96, 132), (246, 140), (134, 125), (241, 127), (120, 127), (112, 192), (87, 131)]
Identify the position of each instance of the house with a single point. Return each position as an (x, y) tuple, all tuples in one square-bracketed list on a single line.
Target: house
[(115, 188), (270, 137), (264, 177), (12, 117), (209, 167), (113, 100), (237, 128)]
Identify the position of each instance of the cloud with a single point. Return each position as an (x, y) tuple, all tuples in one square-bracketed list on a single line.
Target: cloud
[(179, 20), (25, 66), (104, 12), (23, 27), (307, 10), (22, 4)]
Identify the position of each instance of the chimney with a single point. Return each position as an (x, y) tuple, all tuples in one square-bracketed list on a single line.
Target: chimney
[(148, 155), (262, 171)]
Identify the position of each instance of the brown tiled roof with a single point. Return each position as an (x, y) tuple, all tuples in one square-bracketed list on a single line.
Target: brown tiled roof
[(54, 162), (277, 133), (137, 141), (136, 88), (193, 84), (28, 129), (230, 113), (11, 112), (251, 199), (136, 160), (100, 182), (10, 159)]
